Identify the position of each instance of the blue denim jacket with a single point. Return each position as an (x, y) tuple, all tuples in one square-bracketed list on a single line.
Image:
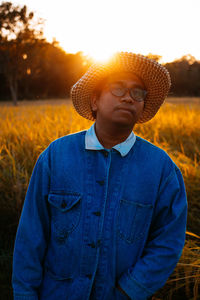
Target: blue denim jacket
[(95, 219)]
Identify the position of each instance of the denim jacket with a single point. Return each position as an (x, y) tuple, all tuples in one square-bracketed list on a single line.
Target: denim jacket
[(95, 219)]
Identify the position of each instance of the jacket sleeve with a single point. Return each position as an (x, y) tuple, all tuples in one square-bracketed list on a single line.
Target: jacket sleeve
[(165, 243), (32, 235)]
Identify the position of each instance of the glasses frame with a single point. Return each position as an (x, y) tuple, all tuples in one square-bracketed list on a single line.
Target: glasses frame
[(125, 89)]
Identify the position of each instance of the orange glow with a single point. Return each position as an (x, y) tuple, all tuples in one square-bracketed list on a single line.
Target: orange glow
[(100, 55)]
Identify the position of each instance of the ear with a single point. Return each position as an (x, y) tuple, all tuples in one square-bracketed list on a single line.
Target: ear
[(93, 102)]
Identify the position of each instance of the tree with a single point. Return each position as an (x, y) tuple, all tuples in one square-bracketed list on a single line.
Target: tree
[(19, 39), (185, 74), (154, 57)]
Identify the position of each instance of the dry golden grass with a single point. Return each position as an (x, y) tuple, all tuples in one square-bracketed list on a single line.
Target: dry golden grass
[(25, 131)]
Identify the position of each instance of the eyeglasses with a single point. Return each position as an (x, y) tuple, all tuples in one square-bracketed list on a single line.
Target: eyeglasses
[(136, 93)]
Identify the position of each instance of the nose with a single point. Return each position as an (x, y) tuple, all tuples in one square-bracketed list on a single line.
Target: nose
[(127, 97)]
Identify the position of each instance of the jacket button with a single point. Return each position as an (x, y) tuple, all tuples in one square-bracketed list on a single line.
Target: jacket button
[(97, 213), (89, 276), (63, 205), (92, 245), (105, 153), (98, 243), (101, 182)]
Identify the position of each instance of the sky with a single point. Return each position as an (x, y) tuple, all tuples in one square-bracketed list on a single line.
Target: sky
[(170, 28)]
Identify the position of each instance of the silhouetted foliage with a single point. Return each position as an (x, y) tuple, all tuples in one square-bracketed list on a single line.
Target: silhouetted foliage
[(185, 75), (52, 74), (18, 36), (154, 56)]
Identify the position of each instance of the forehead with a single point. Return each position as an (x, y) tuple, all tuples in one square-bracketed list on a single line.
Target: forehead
[(125, 77)]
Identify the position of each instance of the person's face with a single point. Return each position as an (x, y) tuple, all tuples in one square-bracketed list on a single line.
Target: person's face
[(123, 111)]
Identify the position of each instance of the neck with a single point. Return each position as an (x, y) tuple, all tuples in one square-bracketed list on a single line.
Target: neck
[(111, 136)]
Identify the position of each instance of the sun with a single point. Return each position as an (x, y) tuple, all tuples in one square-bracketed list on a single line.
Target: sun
[(99, 55)]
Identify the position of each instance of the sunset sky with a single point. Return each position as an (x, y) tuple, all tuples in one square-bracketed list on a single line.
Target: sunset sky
[(100, 27)]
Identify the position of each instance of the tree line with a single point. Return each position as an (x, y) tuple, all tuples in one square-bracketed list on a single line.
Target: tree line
[(33, 68)]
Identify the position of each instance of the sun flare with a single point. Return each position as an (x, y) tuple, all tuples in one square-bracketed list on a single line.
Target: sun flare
[(100, 55)]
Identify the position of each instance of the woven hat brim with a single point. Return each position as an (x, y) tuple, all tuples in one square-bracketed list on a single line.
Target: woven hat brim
[(155, 77)]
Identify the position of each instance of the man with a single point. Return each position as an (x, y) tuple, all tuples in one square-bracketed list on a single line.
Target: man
[(105, 212)]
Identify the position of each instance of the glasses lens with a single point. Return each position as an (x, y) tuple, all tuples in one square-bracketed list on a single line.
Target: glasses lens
[(117, 90), (138, 94)]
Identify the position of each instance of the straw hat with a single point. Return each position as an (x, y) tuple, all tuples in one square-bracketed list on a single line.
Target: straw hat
[(155, 77)]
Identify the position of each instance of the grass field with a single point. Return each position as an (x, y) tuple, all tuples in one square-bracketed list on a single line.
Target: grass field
[(26, 130)]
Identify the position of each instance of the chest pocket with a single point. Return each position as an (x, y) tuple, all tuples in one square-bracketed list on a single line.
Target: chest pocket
[(65, 213), (133, 220)]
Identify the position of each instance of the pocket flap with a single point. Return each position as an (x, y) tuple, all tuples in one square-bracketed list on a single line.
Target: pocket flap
[(57, 277), (65, 201)]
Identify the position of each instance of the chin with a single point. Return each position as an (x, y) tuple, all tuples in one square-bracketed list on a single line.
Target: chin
[(125, 122)]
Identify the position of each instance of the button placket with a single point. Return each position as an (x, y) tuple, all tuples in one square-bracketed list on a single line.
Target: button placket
[(91, 245)]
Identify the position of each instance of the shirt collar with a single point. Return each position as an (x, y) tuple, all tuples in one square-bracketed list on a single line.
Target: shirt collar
[(92, 142)]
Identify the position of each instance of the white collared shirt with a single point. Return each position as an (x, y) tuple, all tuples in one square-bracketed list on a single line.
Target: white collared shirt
[(92, 142)]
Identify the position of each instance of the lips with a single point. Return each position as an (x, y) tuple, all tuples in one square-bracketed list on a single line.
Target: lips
[(126, 108)]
